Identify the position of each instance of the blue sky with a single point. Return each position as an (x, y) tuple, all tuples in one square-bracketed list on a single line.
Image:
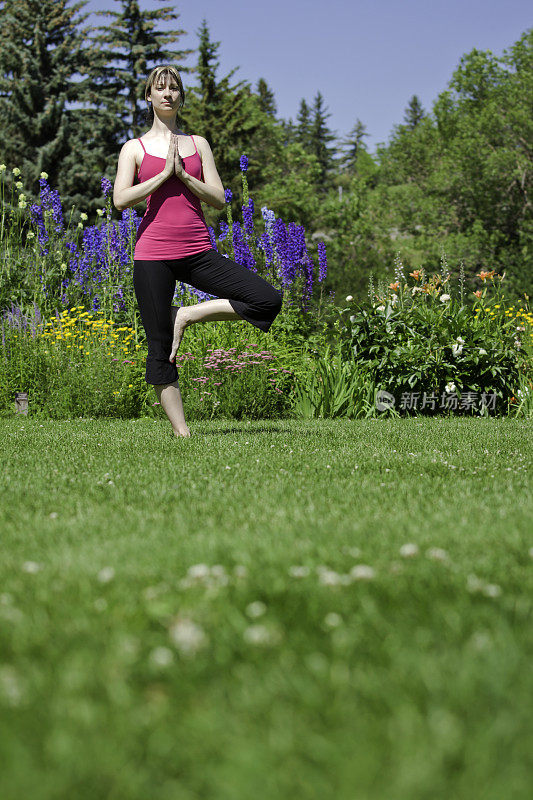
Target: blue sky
[(366, 57)]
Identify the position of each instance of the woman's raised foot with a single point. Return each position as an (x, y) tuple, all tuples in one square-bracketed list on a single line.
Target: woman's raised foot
[(180, 320)]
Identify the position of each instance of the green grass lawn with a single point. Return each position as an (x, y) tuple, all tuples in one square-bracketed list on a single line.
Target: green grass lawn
[(236, 616)]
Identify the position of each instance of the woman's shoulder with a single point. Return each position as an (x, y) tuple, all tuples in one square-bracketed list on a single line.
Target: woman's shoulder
[(201, 142)]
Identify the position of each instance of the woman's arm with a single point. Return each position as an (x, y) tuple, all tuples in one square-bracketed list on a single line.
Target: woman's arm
[(212, 191), (125, 194)]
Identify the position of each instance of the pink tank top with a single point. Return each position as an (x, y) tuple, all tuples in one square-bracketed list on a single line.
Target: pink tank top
[(173, 225)]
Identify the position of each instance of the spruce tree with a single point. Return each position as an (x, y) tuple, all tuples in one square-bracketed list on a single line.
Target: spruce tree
[(303, 125), (141, 49), (414, 112), (352, 144), (267, 103), (40, 53), (226, 115), (320, 137)]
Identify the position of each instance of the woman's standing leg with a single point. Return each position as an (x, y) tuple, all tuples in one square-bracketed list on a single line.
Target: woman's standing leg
[(154, 284)]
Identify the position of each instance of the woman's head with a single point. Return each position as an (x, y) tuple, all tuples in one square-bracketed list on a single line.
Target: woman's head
[(156, 85)]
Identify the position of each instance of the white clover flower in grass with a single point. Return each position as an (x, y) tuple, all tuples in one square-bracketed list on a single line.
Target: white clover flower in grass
[(187, 636), (198, 571), (450, 387), (12, 685), (333, 620), (328, 577), (409, 550), (437, 554), (106, 574), (31, 567), (218, 571), (474, 584), (256, 609), (240, 571), (444, 297), (297, 571), (261, 635), (161, 657), (362, 572), (491, 590), (349, 298)]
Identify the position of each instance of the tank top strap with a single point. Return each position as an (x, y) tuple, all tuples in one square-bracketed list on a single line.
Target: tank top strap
[(143, 147), (192, 137)]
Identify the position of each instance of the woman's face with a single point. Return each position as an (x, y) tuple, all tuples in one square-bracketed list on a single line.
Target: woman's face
[(165, 94)]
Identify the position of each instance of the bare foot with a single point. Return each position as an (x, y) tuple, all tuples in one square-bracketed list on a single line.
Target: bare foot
[(180, 320), (182, 432)]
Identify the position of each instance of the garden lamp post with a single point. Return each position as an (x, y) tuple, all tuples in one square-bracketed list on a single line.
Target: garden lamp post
[(21, 402)]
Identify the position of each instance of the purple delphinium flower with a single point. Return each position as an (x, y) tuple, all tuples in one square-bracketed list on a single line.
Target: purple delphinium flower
[(106, 185), (243, 163), (279, 235), (265, 245), (228, 194), (212, 237), (243, 254), (224, 230), (322, 261), (269, 218), (247, 215)]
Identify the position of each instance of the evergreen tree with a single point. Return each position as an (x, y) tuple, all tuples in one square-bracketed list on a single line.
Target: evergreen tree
[(414, 112), (40, 53), (141, 49), (266, 98), (320, 137), (352, 145), (290, 131), (227, 116), (303, 125)]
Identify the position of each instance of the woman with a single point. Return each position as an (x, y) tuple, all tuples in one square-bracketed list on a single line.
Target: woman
[(177, 172)]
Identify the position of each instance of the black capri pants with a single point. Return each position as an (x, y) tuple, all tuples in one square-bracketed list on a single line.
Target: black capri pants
[(154, 282)]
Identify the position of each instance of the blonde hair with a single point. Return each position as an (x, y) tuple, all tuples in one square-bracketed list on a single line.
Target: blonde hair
[(162, 71)]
